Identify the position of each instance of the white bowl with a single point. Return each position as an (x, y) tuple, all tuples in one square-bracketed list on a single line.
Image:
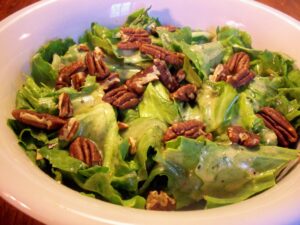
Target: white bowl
[(33, 192)]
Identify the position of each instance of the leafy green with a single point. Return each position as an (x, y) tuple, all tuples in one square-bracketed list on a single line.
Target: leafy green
[(156, 103), (58, 46), (140, 19), (42, 71), (268, 63), (61, 159), (29, 138), (231, 38), (191, 75), (172, 40), (100, 183), (39, 98), (147, 133), (222, 174), (204, 57), (216, 103)]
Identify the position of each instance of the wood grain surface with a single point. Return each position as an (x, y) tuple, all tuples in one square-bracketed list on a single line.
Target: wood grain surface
[(10, 215)]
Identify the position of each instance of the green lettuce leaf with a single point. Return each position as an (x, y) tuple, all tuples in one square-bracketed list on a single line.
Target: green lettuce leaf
[(204, 56), (61, 159), (191, 75), (147, 133), (216, 103), (156, 103), (141, 19), (221, 174), (232, 38), (39, 98), (42, 71)]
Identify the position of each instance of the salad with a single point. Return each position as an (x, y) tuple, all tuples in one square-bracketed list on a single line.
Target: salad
[(160, 117)]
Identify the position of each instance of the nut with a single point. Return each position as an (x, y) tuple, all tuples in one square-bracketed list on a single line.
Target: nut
[(237, 62), (133, 147), (221, 72), (121, 98), (185, 93), (169, 28), (190, 129), (122, 125), (68, 131), (160, 201), (132, 38), (137, 83), (157, 52), (83, 48), (78, 80), (236, 71), (64, 76), (86, 150), (180, 75), (112, 81), (274, 120), (166, 77), (65, 109), (39, 120), (96, 65), (241, 136), (241, 78)]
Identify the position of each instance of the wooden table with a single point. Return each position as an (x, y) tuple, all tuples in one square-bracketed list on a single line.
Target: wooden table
[(11, 216)]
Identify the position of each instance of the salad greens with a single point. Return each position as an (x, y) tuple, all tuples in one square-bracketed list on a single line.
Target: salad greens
[(196, 171)]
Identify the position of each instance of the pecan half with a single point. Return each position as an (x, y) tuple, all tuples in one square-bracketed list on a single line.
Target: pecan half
[(241, 78), (237, 62), (190, 129), (169, 28), (112, 81), (39, 120), (122, 125), (137, 83), (157, 52), (236, 71), (132, 38), (133, 147), (64, 75), (241, 136), (65, 109), (96, 65), (274, 120), (185, 93), (121, 98), (83, 48), (78, 80), (86, 150), (68, 131), (180, 75), (165, 75), (160, 201)]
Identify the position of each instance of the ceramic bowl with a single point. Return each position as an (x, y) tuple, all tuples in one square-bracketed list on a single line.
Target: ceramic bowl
[(30, 190)]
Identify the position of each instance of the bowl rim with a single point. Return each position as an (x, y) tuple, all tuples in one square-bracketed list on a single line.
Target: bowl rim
[(23, 206)]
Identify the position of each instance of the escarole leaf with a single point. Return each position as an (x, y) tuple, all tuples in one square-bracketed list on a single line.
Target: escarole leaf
[(234, 173), (61, 159), (39, 98), (141, 19), (216, 103), (221, 174), (156, 103), (171, 40), (29, 138), (148, 133), (204, 56), (42, 71), (231, 38)]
